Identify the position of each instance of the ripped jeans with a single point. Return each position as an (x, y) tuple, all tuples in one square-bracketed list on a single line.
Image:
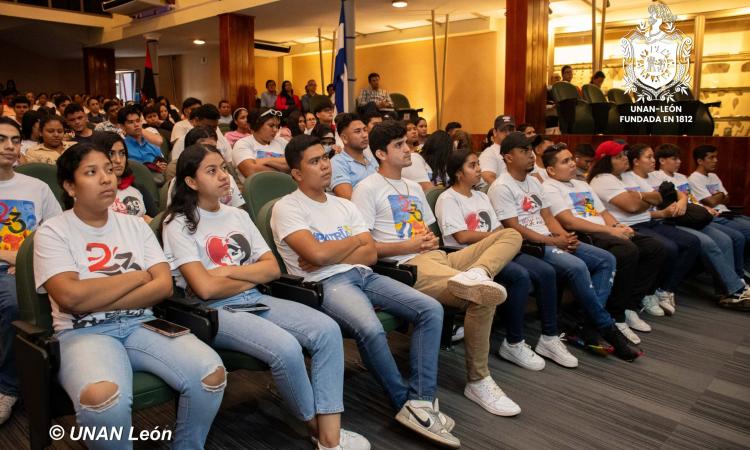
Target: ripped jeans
[(113, 351)]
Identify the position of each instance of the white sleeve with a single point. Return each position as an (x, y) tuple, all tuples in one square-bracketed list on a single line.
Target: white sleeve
[(242, 151), (258, 245), (179, 248), (721, 185), (365, 202), (427, 215), (223, 145), (152, 251), (416, 172), (449, 217), (50, 205), (356, 221), (287, 218), (555, 199), (488, 162), (698, 187), (503, 202), (607, 187), (52, 255), (237, 199), (178, 148)]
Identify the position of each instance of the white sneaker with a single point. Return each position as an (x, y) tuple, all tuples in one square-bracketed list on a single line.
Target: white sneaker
[(665, 301), (348, 440), (650, 304), (419, 416), (6, 406), (476, 286), (635, 322), (447, 422), (521, 354), (489, 396), (553, 348), (458, 333), (628, 333)]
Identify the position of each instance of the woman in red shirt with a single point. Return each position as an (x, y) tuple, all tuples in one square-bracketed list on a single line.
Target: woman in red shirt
[(287, 101)]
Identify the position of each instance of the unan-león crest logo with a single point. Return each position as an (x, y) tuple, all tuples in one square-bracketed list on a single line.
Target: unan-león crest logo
[(656, 57)]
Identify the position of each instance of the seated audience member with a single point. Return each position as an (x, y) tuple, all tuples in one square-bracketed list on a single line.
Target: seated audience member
[(61, 102), (327, 137), (323, 238), (29, 202), (294, 125), (598, 79), (708, 189), (261, 151), (225, 112), (21, 106), (30, 97), (268, 98), (452, 127), (418, 170), (412, 135), (466, 217), (310, 122), (422, 132), (353, 164), (132, 198), (181, 128), (238, 127), (151, 118), (567, 76), (98, 310), (639, 257), (527, 129), (78, 121), (584, 156), (436, 151), (139, 149), (165, 119), (204, 135), (371, 119), (330, 90), (491, 161), (208, 116), (324, 113), (397, 213), (30, 133), (373, 98), (462, 141), (539, 144), (487, 141), (95, 115), (630, 202), (520, 204), (224, 272), (286, 101), (111, 108), (310, 91), (42, 101), (174, 112), (52, 145)]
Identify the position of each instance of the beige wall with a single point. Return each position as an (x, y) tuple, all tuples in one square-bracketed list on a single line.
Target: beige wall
[(40, 73)]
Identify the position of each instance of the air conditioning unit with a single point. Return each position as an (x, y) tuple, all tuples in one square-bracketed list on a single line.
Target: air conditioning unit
[(132, 7)]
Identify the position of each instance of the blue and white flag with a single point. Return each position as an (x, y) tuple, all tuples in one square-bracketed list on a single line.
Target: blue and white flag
[(341, 74)]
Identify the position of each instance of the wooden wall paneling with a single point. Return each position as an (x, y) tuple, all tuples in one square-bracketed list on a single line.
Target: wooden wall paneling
[(237, 59), (99, 71)]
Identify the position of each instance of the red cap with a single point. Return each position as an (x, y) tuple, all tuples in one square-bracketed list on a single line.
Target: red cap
[(608, 148)]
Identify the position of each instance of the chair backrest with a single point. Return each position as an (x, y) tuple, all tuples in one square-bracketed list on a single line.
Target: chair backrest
[(432, 196), (618, 96), (144, 178), (263, 222), (562, 90), (32, 307), (155, 225), (263, 187), (317, 100), (593, 94), (44, 172), (400, 101)]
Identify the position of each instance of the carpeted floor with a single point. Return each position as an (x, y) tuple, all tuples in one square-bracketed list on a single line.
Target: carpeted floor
[(691, 390)]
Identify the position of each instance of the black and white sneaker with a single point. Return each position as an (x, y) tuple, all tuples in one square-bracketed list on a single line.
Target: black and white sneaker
[(422, 417)]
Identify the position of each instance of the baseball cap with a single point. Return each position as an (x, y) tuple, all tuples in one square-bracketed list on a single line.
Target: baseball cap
[(609, 148), (504, 121), (325, 103), (515, 139)]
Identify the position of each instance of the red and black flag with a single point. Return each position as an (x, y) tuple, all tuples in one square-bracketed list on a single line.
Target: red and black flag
[(149, 87)]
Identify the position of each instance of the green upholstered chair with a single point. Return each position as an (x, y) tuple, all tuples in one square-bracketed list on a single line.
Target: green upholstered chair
[(574, 112), (44, 172), (144, 177), (262, 187)]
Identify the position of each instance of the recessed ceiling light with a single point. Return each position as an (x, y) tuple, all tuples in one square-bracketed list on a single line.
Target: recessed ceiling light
[(199, 42), (399, 3)]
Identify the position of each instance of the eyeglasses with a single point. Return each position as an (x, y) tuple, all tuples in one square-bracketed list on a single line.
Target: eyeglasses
[(15, 140), (272, 112)]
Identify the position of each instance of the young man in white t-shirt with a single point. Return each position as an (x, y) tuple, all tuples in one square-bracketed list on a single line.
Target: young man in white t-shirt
[(206, 116), (639, 257), (25, 202), (397, 213), (540, 144), (520, 203), (709, 190), (324, 238), (490, 160)]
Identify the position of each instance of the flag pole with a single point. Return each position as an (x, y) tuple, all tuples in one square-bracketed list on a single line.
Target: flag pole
[(333, 56), (320, 57), (435, 72), (445, 63)]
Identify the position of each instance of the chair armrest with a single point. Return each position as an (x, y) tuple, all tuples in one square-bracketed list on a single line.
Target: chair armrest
[(202, 320), (405, 273), (28, 330), (294, 288)]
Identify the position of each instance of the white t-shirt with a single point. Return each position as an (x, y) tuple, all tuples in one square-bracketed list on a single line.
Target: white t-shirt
[(180, 129), (249, 148), (522, 199), (679, 180), (492, 161), (221, 144), (226, 237), (129, 201), (541, 171), (575, 195), (25, 202), (334, 220), (418, 171), (455, 213), (704, 186), (66, 244), (608, 186), (234, 198), (394, 210)]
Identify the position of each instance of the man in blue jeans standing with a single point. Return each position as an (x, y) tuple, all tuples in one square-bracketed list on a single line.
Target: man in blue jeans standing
[(24, 203), (324, 238), (518, 200)]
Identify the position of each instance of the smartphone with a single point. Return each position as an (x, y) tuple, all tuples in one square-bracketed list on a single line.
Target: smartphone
[(245, 307), (165, 328)]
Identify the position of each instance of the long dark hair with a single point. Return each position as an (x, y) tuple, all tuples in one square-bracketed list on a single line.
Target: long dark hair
[(292, 122), (636, 151), (30, 119), (436, 150), (68, 163), (233, 124), (185, 199), (455, 163), (601, 166), (288, 97), (106, 140)]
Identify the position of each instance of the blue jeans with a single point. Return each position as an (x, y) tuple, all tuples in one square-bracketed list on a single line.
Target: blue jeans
[(277, 337), (351, 298), (738, 245), (682, 250), (8, 313), (717, 251), (518, 277), (739, 223), (590, 272), (112, 352)]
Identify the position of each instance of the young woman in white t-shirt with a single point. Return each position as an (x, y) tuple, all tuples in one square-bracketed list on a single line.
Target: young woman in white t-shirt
[(261, 151), (103, 271), (218, 255)]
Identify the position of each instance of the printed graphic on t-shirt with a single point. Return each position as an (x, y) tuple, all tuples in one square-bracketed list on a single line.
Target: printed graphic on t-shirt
[(478, 221), (583, 204), (685, 189), (129, 205), (109, 261), (407, 216), (713, 188), (266, 154), (633, 188), (232, 250), (342, 232), (17, 220), (531, 205)]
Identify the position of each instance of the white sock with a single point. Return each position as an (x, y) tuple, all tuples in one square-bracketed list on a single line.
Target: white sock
[(546, 338), (479, 271), (322, 447), (421, 403)]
